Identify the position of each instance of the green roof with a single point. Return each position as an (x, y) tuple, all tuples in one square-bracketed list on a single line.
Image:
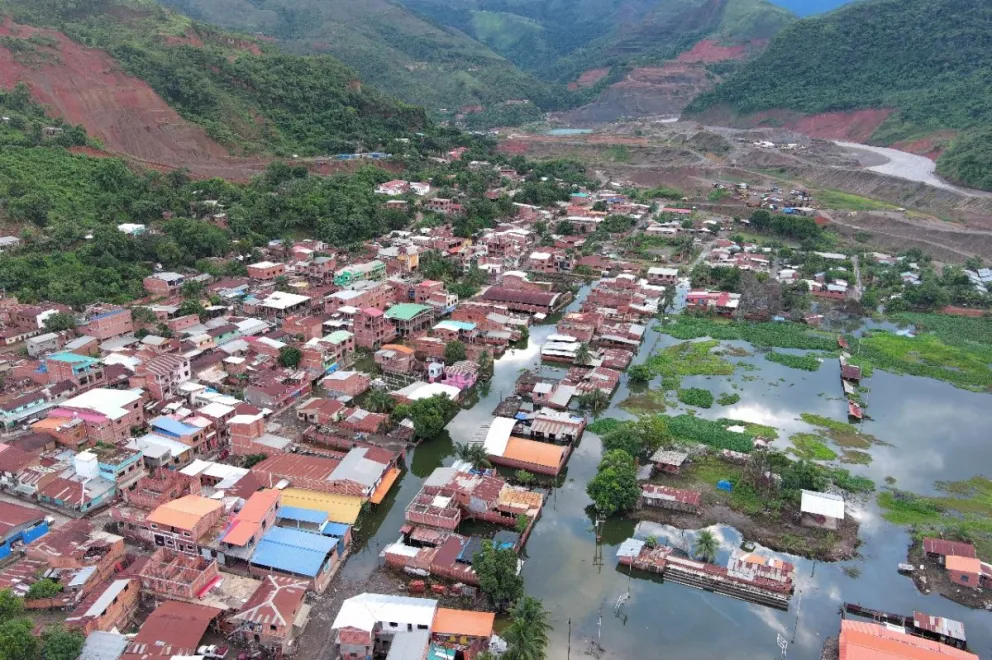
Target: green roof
[(338, 336), (405, 311)]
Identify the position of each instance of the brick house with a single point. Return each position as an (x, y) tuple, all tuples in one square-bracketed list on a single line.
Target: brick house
[(266, 270), (107, 415), (346, 383), (81, 370), (372, 328), (163, 284), (162, 375), (109, 606), (172, 575), (271, 616), (177, 525), (104, 322)]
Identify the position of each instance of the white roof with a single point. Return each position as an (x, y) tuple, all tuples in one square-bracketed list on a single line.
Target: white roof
[(263, 264), (663, 271), (110, 403), (216, 409), (284, 300), (366, 610), (499, 434), (215, 470), (540, 255), (428, 390), (822, 504), (158, 446)]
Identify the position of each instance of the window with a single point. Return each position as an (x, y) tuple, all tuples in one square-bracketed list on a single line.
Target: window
[(964, 578), (272, 627), (421, 626), (393, 624)]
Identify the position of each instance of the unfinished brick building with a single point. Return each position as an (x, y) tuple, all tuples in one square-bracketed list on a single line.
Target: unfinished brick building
[(172, 575)]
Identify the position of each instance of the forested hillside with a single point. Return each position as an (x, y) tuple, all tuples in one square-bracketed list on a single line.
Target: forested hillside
[(390, 47), (929, 60), (558, 39), (247, 94)]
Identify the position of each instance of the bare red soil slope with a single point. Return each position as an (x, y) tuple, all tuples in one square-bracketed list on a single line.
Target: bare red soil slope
[(86, 86)]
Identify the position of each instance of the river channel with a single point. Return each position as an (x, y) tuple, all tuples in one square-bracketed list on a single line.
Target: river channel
[(934, 431)]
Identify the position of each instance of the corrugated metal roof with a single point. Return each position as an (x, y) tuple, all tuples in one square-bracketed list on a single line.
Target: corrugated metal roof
[(293, 551), (939, 625), (302, 515)]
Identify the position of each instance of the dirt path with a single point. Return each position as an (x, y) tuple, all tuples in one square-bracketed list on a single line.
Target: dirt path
[(910, 236)]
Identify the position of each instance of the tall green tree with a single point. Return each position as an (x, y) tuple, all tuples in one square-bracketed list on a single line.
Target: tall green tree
[(454, 352), (614, 488), (706, 546), (498, 575), (61, 644), (527, 636), (473, 453)]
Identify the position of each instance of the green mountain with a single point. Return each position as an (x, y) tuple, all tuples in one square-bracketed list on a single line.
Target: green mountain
[(391, 47), (246, 94), (558, 39), (930, 61)]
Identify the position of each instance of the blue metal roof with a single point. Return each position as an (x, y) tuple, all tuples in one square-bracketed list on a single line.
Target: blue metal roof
[(302, 515), (335, 529), (293, 551), (173, 427)]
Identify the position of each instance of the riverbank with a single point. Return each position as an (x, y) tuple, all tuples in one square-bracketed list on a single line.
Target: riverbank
[(768, 519), (931, 577)]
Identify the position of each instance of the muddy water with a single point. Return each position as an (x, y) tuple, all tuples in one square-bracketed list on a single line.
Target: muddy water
[(935, 431), (904, 166)]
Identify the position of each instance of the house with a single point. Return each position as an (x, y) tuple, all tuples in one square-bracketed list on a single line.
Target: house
[(669, 461), (107, 415), (373, 271), (319, 411), (861, 640), (965, 571), (19, 525), (938, 549), (531, 302), (108, 607), (45, 343), (346, 383), (823, 510), (266, 270), (274, 615), (101, 645), (171, 575), (280, 304), (410, 318), (462, 375), (519, 453), (659, 276), (367, 624), (673, 499), (162, 375), (175, 525), (245, 529), (372, 328), (719, 302), (173, 629), (106, 322), (462, 630), (81, 370), (163, 284), (296, 554)]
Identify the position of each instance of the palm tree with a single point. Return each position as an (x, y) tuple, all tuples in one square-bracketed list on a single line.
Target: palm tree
[(379, 401), (485, 365), (667, 299), (597, 401), (582, 356), (706, 546), (527, 637), (473, 453)]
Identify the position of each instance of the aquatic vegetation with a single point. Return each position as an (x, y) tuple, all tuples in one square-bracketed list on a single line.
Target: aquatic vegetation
[(604, 425), (804, 362), (688, 359), (845, 435), (844, 480), (963, 511), (768, 335), (707, 432), (965, 364), (695, 396), (757, 430), (855, 457), (811, 447), (645, 403), (728, 399)]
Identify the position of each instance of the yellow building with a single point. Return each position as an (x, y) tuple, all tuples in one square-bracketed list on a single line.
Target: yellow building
[(339, 508)]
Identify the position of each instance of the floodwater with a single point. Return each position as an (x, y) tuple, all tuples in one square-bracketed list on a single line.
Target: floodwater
[(569, 131), (904, 166), (935, 432)]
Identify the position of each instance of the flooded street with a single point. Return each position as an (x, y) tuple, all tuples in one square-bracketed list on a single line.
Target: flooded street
[(934, 432)]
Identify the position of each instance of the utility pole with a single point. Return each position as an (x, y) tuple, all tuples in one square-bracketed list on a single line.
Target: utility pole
[(569, 656)]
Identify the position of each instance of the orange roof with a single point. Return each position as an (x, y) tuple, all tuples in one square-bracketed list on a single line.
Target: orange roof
[(49, 423), (185, 512), (379, 494), (963, 564), (869, 641), (463, 622), (531, 451), (398, 347), (250, 518)]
